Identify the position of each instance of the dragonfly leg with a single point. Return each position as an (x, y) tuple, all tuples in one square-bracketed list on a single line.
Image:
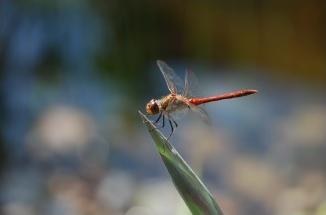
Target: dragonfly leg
[(172, 128), (158, 118), (163, 122), (175, 123)]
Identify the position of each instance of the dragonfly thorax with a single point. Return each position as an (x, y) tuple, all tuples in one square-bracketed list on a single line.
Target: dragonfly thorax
[(152, 107)]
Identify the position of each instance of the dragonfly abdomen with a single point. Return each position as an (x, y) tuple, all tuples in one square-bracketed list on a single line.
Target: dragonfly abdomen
[(239, 93)]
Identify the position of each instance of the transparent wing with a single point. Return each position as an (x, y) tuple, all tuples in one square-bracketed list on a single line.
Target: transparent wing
[(180, 107), (191, 86), (172, 80), (197, 111), (179, 114), (191, 89), (200, 111)]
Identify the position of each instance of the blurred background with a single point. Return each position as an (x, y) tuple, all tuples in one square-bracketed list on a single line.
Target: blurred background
[(75, 73)]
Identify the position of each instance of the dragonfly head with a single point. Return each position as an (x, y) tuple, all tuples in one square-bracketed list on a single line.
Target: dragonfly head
[(152, 107)]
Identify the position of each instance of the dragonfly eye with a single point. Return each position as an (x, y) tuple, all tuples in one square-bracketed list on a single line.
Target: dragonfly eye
[(152, 107)]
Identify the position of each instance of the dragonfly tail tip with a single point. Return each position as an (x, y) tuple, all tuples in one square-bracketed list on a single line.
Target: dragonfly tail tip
[(249, 92)]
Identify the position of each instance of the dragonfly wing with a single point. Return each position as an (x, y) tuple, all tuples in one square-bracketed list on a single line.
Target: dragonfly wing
[(201, 112), (171, 79), (191, 84), (179, 114), (187, 84)]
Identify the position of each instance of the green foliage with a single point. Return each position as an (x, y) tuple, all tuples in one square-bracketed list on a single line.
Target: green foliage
[(193, 191)]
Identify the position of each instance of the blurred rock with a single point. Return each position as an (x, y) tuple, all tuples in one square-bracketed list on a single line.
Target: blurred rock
[(305, 126), (139, 211), (17, 209), (116, 190), (254, 180), (160, 196), (60, 129), (304, 198), (69, 194)]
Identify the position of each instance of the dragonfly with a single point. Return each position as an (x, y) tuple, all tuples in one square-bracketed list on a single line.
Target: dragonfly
[(180, 99)]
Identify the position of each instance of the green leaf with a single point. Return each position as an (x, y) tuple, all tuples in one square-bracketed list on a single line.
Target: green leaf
[(195, 194)]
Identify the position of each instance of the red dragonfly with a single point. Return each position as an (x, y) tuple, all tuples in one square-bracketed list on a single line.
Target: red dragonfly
[(181, 100)]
